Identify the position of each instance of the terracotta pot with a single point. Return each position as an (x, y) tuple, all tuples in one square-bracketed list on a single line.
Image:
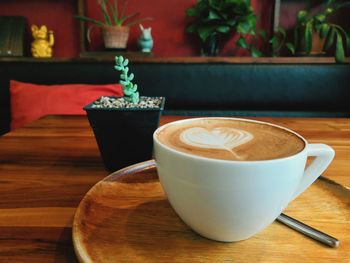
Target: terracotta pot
[(317, 45), (115, 36)]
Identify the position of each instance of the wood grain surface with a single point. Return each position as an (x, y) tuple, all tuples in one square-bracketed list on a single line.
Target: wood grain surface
[(127, 218), (47, 167)]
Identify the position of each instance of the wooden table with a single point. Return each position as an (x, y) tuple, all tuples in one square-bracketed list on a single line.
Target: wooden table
[(47, 167)]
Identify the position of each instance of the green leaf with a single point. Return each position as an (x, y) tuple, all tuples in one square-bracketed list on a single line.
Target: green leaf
[(105, 13), (191, 28), (121, 21), (347, 42), (214, 4), (329, 11), (339, 49), (244, 27), (241, 42), (317, 27), (308, 37), (124, 83), (87, 19), (223, 29), (290, 47), (330, 39), (273, 40), (320, 18), (120, 60), (256, 53), (125, 62), (134, 98), (213, 15), (324, 30), (263, 34), (247, 26), (88, 33), (191, 12), (301, 18), (274, 45), (131, 77), (114, 13), (281, 31), (205, 31), (231, 22)]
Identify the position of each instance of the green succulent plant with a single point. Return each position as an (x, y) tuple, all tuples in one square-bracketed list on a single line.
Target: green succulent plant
[(222, 17), (130, 89), (307, 25)]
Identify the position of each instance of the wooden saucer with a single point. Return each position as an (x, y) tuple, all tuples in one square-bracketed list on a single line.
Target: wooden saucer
[(127, 218)]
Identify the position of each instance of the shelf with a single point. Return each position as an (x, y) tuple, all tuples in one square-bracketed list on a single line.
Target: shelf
[(179, 60)]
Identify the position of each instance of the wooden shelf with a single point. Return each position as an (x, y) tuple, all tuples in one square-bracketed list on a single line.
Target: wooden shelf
[(187, 60)]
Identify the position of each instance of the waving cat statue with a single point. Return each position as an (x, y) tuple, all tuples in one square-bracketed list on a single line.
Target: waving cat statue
[(145, 40), (43, 42)]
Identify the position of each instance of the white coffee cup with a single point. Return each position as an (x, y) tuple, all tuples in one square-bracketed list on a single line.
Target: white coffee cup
[(229, 200)]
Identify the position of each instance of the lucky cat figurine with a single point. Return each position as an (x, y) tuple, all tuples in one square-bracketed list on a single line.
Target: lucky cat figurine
[(145, 40), (43, 42)]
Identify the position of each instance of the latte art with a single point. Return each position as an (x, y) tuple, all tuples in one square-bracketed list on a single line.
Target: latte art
[(224, 138), (230, 139)]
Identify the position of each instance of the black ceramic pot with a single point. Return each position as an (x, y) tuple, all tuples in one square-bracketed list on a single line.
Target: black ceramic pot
[(124, 136), (211, 46)]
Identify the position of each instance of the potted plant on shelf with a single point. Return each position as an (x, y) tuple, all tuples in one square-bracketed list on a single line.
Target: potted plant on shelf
[(116, 25), (123, 126), (215, 19), (314, 34)]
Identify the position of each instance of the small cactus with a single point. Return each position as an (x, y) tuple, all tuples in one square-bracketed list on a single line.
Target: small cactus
[(129, 89)]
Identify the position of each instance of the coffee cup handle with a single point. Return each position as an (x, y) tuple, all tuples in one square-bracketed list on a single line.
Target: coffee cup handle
[(324, 155)]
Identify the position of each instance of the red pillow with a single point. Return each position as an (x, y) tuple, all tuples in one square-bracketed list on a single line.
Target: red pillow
[(31, 101)]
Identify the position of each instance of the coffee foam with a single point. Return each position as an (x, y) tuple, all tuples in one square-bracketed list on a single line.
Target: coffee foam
[(222, 138), (231, 139)]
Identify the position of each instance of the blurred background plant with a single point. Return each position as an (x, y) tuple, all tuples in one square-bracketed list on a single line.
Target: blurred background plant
[(314, 34), (212, 20), (115, 24)]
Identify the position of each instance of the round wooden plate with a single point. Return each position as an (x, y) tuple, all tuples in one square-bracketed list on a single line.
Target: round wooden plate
[(127, 218)]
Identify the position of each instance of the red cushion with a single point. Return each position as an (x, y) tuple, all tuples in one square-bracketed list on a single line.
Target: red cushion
[(31, 101)]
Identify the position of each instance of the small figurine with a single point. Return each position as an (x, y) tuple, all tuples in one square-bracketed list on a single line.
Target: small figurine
[(43, 42), (145, 40)]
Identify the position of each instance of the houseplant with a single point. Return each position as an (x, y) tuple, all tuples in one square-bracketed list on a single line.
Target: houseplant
[(123, 126), (213, 20), (314, 33), (116, 24)]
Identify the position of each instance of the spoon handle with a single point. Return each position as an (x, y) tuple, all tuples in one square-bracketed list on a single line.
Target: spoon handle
[(308, 230)]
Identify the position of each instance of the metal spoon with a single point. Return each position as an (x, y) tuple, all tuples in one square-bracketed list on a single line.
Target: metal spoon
[(308, 230)]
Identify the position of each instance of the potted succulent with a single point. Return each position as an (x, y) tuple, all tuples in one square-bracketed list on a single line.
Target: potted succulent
[(116, 25), (123, 126), (314, 34), (215, 19)]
